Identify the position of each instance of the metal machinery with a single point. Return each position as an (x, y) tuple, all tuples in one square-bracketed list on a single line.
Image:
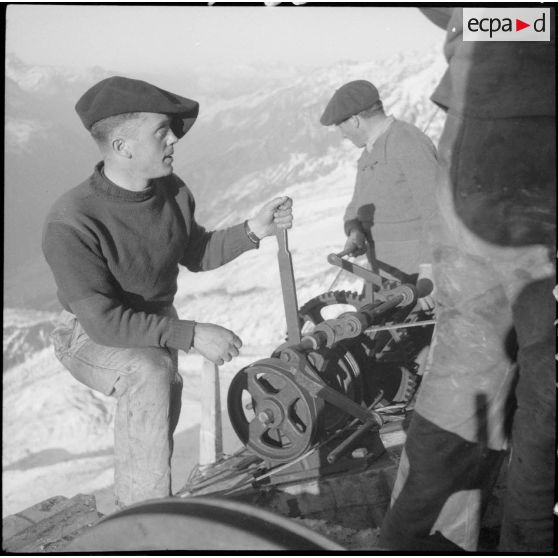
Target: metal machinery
[(300, 414), (334, 383)]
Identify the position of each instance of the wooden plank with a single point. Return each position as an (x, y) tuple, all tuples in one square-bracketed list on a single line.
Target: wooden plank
[(211, 431), (14, 524), (48, 522)]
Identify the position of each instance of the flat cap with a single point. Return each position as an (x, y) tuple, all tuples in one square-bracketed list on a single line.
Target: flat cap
[(348, 100), (119, 95)]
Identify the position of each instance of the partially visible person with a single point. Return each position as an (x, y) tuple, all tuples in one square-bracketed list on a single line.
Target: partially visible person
[(115, 244), (393, 200), (493, 356)]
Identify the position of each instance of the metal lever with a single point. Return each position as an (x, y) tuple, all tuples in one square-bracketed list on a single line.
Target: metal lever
[(288, 286), (366, 274), (343, 446)]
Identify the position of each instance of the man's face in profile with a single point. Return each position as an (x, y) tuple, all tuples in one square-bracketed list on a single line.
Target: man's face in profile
[(152, 146), (351, 130)]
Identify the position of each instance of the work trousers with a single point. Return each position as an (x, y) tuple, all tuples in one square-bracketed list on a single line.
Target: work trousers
[(491, 301), (148, 389)]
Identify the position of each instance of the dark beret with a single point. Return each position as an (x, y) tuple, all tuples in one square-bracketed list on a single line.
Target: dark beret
[(119, 95), (348, 100)]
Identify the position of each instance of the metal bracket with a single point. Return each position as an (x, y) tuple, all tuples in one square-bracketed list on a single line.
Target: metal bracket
[(317, 388)]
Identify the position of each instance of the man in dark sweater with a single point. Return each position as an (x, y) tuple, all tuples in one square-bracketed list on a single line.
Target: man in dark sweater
[(114, 244), (393, 199)]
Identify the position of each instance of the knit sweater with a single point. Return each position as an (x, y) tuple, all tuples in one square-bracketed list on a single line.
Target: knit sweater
[(395, 188), (115, 254)]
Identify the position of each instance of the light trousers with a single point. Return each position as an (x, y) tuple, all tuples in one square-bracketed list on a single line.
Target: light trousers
[(148, 389)]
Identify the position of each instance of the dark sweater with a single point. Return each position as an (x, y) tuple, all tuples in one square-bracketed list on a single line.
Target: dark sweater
[(115, 255)]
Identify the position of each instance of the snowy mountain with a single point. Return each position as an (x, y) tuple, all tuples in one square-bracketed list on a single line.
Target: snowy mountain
[(275, 135), (57, 434), (243, 145), (25, 332)]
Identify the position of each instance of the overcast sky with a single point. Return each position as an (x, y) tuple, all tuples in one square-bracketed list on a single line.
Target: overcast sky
[(161, 38)]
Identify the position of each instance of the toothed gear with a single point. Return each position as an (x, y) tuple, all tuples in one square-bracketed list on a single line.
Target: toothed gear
[(407, 387), (312, 310)]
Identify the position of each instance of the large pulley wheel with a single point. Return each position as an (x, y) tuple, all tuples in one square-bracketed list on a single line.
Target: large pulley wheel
[(270, 413), (197, 524)]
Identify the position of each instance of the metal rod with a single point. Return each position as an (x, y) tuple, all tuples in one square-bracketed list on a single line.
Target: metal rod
[(377, 399), (344, 445), (362, 272), (401, 326), (341, 447)]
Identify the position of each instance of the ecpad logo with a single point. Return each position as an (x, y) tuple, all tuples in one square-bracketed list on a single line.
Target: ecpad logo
[(506, 24)]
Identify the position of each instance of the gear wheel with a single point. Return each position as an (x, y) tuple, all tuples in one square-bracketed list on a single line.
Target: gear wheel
[(310, 313)]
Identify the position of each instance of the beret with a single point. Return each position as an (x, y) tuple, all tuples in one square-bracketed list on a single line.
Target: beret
[(348, 100), (119, 95)]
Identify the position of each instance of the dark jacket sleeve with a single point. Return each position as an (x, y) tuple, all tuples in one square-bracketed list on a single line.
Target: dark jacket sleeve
[(91, 293), (206, 250)]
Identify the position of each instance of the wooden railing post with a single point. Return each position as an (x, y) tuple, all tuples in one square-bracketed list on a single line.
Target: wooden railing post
[(211, 432)]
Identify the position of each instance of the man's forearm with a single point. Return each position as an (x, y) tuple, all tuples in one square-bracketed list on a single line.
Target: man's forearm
[(216, 248), (110, 323)]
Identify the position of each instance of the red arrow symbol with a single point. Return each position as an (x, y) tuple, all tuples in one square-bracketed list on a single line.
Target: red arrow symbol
[(519, 24)]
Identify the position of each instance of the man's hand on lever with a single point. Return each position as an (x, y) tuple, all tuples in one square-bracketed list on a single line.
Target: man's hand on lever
[(356, 243), (278, 213)]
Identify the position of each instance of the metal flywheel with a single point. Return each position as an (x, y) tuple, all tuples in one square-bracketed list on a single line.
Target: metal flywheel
[(270, 413)]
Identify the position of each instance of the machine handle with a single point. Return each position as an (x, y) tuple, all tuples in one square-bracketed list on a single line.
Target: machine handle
[(359, 271), (424, 287), (344, 253), (288, 286)]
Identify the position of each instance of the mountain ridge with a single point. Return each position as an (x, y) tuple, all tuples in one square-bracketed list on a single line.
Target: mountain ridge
[(234, 141)]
